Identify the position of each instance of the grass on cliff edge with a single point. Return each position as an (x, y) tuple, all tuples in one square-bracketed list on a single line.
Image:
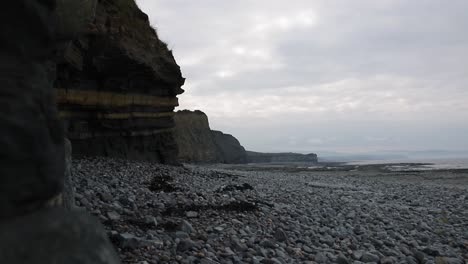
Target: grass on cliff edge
[(136, 19)]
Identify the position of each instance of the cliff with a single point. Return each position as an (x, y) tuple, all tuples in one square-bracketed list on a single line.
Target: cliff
[(257, 157), (117, 87), (230, 148), (197, 143), (194, 139)]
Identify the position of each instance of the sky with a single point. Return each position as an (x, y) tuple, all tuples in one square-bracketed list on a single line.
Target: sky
[(324, 75)]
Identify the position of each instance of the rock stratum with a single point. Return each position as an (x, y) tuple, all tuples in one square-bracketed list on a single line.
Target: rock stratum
[(258, 157), (117, 87), (197, 143)]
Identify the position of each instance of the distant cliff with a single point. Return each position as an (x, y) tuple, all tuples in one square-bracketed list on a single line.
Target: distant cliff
[(197, 143), (194, 139), (230, 148), (258, 157), (117, 87)]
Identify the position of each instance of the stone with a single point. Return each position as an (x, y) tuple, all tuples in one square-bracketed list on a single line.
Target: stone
[(388, 260), (186, 244), (447, 260), (105, 196), (341, 259), (219, 229), (307, 249), (208, 261), (187, 227), (280, 253), (351, 215), (419, 256), (271, 261), (424, 226), (113, 216), (191, 214), (280, 235), (266, 243), (128, 241), (327, 239), (150, 220), (182, 235), (238, 245), (369, 257), (229, 251), (321, 258), (431, 251), (236, 222), (411, 260), (357, 255), (127, 202)]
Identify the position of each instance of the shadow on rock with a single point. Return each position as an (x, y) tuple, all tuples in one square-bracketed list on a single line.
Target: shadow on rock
[(162, 183)]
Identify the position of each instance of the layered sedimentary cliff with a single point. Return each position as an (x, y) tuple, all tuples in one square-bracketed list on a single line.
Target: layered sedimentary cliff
[(258, 157), (117, 87), (197, 143)]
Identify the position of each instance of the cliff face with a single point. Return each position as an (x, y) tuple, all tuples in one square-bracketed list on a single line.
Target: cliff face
[(194, 139), (257, 157), (230, 148), (117, 87), (197, 143)]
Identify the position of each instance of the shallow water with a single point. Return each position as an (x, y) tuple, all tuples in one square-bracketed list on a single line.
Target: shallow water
[(410, 164)]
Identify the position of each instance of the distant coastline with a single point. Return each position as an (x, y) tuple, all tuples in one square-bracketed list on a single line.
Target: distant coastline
[(426, 164)]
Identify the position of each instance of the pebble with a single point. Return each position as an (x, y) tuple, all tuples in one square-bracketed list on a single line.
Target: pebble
[(191, 214), (185, 244), (128, 241), (282, 217), (369, 257), (114, 216), (151, 220), (341, 259), (187, 227), (280, 235), (321, 258), (106, 197)]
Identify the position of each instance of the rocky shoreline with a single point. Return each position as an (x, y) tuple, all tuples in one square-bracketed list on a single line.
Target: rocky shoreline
[(161, 214)]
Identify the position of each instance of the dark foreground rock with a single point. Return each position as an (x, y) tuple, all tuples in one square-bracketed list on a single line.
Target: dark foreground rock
[(34, 226), (55, 236), (217, 215)]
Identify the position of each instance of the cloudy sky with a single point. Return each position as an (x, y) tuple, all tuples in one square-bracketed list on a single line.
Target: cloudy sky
[(324, 75)]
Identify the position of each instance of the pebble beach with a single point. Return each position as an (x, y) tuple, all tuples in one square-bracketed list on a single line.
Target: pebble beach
[(219, 214)]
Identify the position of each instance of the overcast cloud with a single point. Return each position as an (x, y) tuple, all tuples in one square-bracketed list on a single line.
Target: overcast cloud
[(326, 75)]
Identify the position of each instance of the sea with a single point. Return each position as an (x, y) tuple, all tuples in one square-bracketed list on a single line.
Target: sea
[(418, 164)]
